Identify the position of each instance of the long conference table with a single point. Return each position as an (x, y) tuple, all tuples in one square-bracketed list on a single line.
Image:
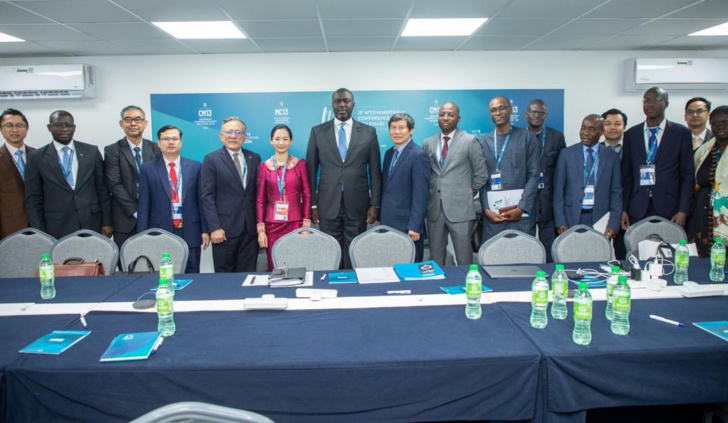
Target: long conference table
[(361, 357)]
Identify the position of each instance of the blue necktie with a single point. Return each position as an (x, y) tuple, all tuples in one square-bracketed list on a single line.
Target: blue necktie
[(67, 168), (394, 161), (590, 166), (342, 141), (21, 164), (138, 159), (653, 143)]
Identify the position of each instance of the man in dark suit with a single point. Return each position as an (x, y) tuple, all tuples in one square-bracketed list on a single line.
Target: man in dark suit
[(658, 176), (697, 111), (552, 142), (405, 183), (169, 196), (65, 189), (348, 193), (615, 122), (122, 163), (588, 182), (228, 194), (13, 156)]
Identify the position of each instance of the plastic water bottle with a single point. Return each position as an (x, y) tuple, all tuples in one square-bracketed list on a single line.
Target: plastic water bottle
[(46, 270), (582, 315), (622, 302), (165, 308), (682, 260), (717, 261), (166, 270), (560, 290), (473, 290), (539, 300), (611, 283)]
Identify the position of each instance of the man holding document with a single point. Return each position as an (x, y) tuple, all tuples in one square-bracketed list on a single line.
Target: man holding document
[(512, 156)]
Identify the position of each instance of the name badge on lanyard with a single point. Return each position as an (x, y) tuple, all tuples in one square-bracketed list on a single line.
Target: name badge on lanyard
[(647, 175), (495, 178), (588, 196), (281, 206), (177, 215), (495, 182)]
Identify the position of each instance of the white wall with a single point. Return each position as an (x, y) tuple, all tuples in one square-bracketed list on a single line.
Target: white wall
[(592, 81)]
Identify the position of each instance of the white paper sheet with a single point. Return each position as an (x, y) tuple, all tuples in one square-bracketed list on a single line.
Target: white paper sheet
[(376, 275)]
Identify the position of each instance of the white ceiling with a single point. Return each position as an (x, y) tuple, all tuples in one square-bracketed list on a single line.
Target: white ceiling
[(122, 27)]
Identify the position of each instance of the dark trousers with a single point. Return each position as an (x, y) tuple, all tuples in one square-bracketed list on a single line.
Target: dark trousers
[(236, 254), (419, 250), (120, 238), (344, 230), (547, 234), (193, 261), (632, 220)]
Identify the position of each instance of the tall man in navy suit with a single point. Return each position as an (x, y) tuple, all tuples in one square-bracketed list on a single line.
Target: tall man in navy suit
[(658, 175), (168, 196), (65, 189), (123, 161), (228, 188), (588, 182), (405, 183), (348, 193)]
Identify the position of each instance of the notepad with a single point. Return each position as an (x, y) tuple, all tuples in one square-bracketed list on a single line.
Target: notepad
[(131, 346), (425, 270), (718, 328), (55, 342), (343, 277)]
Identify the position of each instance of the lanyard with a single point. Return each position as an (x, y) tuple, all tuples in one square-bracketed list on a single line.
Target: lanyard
[(282, 179), (175, 188), (543, 141), (594, 166), (499, 157)]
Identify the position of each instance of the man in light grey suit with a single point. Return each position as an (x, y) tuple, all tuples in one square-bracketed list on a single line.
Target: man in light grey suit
[(587, 188), (458, 170), (512, 155)]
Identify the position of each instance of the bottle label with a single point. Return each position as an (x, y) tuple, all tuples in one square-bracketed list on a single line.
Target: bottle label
[(561, 288), (683, 259), (718, 257), (473, 289), (164, 305), (582, 309), (621, 302), (46, 273), (166, 273), (540, 297), (611, 282)]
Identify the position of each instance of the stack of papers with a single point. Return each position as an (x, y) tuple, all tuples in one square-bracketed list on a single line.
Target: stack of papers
[(55, 342), (131, 346), (419, 271)]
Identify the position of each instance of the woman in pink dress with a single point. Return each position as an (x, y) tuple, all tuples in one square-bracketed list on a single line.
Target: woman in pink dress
[(284, 197)]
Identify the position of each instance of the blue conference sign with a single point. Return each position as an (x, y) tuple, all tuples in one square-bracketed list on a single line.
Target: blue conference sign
[(200, 116)]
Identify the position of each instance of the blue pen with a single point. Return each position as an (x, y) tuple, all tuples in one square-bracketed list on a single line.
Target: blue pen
[(158, 344), (323, 278), (83, 322)]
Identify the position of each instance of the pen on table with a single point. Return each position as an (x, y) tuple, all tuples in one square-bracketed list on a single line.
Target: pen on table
[(403, 292), (83, 322), (323, 278), (662, 319), (158, 344), (252, 282)]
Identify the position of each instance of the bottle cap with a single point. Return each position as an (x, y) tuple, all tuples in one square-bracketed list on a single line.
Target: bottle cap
[(583, 286), (45, 256), (718, 239), (559, 267), (540, 274), (682, 242), (615, 269), (474, 267), (622, 278), (165, 255)]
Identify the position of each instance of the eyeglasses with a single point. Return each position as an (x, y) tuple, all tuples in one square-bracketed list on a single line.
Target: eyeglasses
[(63, 125), (235, 133), (653, 100), (16, 126), (695, 112), (170, 139), (134, 119), (501, 109), (536, 113)]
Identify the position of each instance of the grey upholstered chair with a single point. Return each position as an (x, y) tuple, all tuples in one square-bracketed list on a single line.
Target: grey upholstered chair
[(88, 245), (307, 247), (200, 412), (512, 247), (381, 246), (668, 231), (152, 243), (581, 243), (20, 252)]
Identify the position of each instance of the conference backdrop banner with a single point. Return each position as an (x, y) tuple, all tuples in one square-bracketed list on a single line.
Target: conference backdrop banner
[(200, 116)]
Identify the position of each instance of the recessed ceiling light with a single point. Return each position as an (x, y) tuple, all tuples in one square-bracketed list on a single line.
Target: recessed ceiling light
[(721, 29), (442, 27), (200, 30), (5, 38)]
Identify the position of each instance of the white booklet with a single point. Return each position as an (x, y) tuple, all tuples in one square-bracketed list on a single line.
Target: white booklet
[(501, 199), (376, 275)]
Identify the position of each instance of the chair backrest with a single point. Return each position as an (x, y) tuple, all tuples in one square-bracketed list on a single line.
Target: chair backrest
[(670, 232), (20, 252), (581, 243), (381, 246), (200, 412), (512, 247), (152, 243), (307, 247), (88, 245)]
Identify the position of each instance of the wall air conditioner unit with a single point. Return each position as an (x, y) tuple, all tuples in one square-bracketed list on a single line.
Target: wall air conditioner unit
[(676, 74), (47, 82)]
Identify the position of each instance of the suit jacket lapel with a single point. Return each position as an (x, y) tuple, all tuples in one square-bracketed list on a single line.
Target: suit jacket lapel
[(401, 158), (53, 163), (228, 160), (85, 164), (664, 141), (6, 157), (352, 142), (164, 178), (127, 153), (601, 152)]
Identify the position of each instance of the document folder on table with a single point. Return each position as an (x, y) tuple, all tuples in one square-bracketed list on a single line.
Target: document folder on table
[(419, 271), (131, 346), (287, 276), (55, 342)]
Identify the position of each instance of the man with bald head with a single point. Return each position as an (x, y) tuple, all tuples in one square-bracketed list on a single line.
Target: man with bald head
[(658, 175), (588, 182), (512, 156)]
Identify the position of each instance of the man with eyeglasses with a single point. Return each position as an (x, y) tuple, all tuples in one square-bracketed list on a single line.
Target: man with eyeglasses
[(228, 186), (169, 196), (13, 156), (697, 111), (658, 176), (65, 188), (552, 142), (123, 161), (512, 155), (615, 122)]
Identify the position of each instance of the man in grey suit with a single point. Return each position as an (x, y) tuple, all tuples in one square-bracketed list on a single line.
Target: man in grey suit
[(123, 161), (588, 182), (65, 189), (349, 189), (458, 171), (512, 155)]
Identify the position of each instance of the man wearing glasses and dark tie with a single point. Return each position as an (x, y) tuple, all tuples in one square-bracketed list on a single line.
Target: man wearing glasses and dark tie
[(65, 188), (13, 155), (123, 161)]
